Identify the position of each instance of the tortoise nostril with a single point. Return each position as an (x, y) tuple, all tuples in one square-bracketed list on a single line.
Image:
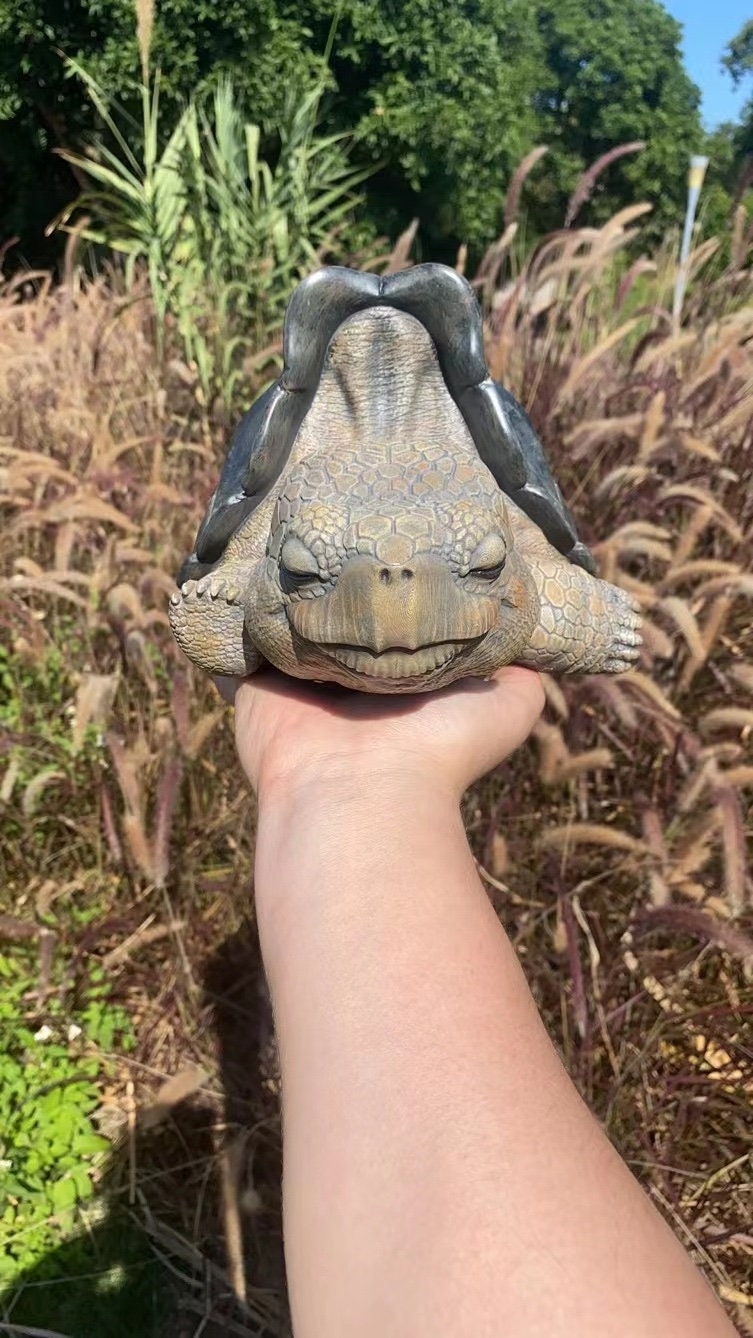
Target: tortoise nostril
[(386, 575)]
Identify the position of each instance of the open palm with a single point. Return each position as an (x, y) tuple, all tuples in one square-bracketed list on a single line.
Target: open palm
[(291, 734)]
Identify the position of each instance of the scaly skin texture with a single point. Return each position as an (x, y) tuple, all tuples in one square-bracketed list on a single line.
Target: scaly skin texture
[(387, 559)]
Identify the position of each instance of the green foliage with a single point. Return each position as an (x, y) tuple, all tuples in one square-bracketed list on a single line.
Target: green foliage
[(721, 150), (729, 148), (446, 95), (738, 59), (614, 74), (726, 185), (22, 684), (738, 56), (51, 1066), (223, 234), (102, 1283), (28, 687)]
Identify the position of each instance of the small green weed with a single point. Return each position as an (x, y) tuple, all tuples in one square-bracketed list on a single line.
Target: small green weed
[(24, 685), (52, 1062), (36, 696)]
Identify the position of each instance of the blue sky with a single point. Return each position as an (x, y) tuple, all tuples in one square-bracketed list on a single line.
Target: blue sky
[(708, 27)]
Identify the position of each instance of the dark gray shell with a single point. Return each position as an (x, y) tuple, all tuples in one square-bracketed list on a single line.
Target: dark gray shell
[(446, 306)]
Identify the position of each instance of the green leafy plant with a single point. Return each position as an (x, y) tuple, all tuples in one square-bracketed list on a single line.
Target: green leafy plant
[(52, 1062), (447, 94), (619, 837), (32, 687), (223, 234)]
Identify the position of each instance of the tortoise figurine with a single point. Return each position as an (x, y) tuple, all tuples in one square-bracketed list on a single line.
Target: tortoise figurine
[(386, 518)]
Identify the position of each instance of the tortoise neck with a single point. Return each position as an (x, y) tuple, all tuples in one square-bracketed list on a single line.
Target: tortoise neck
[(381, 386)]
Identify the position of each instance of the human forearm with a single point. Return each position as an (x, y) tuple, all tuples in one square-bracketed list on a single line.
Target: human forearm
[(423, 1101)]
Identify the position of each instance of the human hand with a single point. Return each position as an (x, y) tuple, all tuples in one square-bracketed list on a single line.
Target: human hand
[(292, 736)]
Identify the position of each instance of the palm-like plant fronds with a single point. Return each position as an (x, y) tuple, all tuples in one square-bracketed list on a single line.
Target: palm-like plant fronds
[(223, 234)]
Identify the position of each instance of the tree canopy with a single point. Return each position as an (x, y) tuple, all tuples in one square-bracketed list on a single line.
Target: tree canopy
[(445, 96), (614, 74), (738, 59)]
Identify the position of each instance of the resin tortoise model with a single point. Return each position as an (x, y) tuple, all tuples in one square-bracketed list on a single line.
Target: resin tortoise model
[(386, 518)]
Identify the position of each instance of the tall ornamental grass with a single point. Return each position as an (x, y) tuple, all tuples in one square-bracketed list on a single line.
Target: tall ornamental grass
[(616, 846)]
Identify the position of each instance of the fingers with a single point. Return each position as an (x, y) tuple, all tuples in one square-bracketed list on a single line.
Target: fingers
[(464, 731)]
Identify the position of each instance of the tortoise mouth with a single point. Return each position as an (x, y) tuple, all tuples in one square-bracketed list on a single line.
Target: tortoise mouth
[(395, 662)]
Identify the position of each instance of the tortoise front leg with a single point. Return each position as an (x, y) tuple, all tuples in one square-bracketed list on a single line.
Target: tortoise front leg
[(585, 625), (208, 623)]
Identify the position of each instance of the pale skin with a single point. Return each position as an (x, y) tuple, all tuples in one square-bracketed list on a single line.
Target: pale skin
[(443, 1179)]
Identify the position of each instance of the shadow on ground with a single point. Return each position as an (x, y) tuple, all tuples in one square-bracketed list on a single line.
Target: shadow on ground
[(189, 1214)]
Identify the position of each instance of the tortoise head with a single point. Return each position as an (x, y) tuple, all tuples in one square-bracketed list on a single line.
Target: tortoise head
[(390, 563)]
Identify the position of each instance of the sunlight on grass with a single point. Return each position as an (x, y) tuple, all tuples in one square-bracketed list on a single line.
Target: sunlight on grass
[(617, 844)]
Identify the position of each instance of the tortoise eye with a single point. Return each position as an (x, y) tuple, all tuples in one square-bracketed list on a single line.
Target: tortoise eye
[(297, 562), (489, 558)]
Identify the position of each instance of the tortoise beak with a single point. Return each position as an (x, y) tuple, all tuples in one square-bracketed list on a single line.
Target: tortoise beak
[(394, 620)]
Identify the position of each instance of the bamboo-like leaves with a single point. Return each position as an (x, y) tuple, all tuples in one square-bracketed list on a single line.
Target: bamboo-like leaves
[(223, 235)]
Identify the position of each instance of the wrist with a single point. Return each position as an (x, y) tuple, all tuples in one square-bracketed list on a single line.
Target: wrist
[(321, 823), (383, 785)]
